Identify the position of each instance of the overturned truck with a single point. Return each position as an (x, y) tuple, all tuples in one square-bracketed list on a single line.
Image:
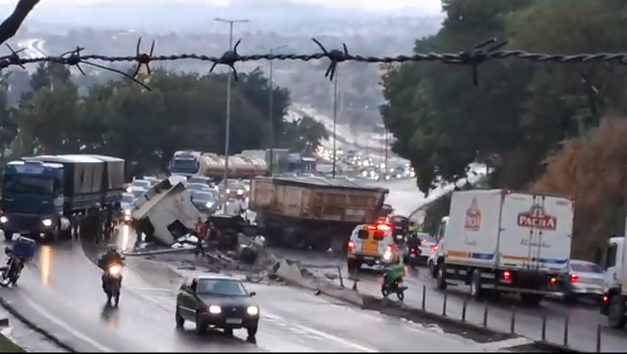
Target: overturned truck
[(312, 212)]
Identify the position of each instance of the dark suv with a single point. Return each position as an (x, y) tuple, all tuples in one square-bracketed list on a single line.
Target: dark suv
[(216, 300)]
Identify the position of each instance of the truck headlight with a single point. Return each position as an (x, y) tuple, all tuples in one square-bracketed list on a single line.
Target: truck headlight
[(4, 219), (215, 309), (252, 310), (127, 212), (46, 222), (209, 204), (240, 192), (129, 190)]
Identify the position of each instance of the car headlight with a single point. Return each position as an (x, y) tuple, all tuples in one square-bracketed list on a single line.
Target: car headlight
[(252, 310), (46, 222), (127, 212), (228, 191), (209, 204), (240, 192), (4, 219), (247, 188), (215, 309), (129, 190)]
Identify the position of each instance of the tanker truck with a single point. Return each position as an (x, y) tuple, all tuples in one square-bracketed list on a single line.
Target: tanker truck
[(312, 212), (189, 163)]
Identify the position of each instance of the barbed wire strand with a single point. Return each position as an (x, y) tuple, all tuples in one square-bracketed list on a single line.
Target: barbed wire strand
[(487, 50)]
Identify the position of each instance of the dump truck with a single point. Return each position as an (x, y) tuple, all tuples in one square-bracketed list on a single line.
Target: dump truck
[(189, 163), (312, 212), (43, 194)]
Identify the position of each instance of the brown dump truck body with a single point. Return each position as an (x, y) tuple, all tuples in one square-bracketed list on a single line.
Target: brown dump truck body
[(316, 198)]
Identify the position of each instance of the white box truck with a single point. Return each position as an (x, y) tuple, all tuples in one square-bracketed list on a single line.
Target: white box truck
[(500, 241), (614, 303)]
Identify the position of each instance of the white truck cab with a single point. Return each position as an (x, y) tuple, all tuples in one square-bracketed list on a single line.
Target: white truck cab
[(612, 258), (500, 241)]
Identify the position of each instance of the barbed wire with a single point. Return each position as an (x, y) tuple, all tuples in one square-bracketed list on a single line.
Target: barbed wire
[(490, 49)]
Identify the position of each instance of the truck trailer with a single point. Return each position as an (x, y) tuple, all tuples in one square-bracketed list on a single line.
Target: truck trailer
[(42, 195), (500, 241), (614, 301)]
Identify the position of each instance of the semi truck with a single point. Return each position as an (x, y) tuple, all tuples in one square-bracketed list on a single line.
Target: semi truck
[(501, 241), (614, 301), (189, 163), (42, 195), (312, 212)]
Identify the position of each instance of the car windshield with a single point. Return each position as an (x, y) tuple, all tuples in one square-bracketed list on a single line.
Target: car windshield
[(198, 186), (141, 183), (127, 198), (221, 287), (138, 192), (198, 180), (586, 268), (28, 184), (204, 197)]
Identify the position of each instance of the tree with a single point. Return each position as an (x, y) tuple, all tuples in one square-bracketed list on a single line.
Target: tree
[(304, 134)]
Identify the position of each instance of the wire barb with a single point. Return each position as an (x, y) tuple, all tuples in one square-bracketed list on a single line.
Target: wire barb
[(336, 56), (143, 59), (229, 58)]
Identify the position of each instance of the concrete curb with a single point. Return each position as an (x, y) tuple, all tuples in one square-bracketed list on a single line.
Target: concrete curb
[(32, 325), (292, 274)]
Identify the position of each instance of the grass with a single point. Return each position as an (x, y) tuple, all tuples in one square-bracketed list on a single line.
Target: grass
[(7, 346)]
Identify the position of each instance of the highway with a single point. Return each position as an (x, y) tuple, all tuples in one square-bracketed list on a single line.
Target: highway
[(583, 321), (62, 294)]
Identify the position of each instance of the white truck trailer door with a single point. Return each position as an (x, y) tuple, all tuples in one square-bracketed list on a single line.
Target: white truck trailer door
[(535, 232)]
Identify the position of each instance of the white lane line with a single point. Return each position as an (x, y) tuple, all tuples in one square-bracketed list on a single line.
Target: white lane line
[(57, 321), (324, 335), (504, 344)]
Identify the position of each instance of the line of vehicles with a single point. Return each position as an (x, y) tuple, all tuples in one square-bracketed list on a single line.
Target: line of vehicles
[(505, 242)]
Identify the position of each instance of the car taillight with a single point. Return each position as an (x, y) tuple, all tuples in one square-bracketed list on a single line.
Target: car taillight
[(412, 250), (351, 245), (605, 298), (388, 248), (506, 275), (434, 247), (553, 280), (574, 277)]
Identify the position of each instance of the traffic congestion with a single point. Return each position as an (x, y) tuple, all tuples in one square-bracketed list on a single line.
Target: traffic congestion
[(405, 258)]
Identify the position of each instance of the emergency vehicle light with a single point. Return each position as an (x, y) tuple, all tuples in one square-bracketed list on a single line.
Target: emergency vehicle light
[(384, 227)]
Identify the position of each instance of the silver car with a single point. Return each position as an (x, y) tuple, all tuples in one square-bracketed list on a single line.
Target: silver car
[(585, 282)]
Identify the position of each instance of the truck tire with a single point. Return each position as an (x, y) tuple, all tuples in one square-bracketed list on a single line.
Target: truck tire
[(441, 277), (616, 312), (476, 290), (531, 300)]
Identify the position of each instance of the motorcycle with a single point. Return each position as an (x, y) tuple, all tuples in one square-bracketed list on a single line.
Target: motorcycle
[(394, 287), (125, 217), (10, 273), (113, 283)]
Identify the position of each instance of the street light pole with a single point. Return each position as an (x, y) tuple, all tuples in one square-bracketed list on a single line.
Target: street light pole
[(334, 125), (271, 50), (227, 139)]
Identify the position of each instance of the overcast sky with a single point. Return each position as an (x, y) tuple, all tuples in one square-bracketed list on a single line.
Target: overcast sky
[(428, 6)]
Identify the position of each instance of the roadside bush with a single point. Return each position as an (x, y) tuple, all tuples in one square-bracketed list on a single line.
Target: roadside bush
[(593, 171)]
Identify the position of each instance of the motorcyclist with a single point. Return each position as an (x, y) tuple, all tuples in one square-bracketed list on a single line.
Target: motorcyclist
[(394, 269), (111, 257), (23, 249)]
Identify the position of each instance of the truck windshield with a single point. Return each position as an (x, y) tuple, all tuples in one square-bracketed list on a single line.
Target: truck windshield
[(27, 184), (184, 164)]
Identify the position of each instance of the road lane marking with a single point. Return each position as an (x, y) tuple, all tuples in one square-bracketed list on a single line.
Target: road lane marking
[(324, 335), (54, 319)]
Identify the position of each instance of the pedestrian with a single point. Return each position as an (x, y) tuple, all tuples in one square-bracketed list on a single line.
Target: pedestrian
[(201, 233)]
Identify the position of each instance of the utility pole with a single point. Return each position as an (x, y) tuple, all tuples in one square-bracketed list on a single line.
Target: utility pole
[(227, 139), (271, 50), (334, 124), (385, 163)]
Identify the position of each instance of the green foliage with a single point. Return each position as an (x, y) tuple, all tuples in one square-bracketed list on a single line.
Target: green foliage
[(120, 118), (520, 111)]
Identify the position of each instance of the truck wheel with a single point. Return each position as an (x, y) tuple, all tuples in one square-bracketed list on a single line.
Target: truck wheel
[(616, 312), (441, 278), (476, 291), (530, 300)]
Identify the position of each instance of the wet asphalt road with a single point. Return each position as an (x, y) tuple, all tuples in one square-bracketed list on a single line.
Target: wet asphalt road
[(61, 292), (583, 321)]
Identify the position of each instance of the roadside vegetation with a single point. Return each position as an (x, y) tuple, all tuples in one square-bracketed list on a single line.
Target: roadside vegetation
[(539, 126)]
